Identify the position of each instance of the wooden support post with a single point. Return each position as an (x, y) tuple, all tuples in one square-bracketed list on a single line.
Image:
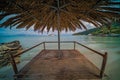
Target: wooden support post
[(13, 63), (103, 65), (74, 45), (44, 45)]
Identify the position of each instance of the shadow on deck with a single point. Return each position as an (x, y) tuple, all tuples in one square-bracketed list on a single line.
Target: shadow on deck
[(72, 66)]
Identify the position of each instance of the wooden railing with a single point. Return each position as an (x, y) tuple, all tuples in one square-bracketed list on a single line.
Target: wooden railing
[(74, 47), (28, 49), (104, 56)]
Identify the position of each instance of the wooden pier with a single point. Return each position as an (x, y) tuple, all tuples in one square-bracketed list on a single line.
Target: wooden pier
[(72, 65)]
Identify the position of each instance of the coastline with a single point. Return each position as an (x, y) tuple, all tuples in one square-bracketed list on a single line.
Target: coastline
[(101, 35)]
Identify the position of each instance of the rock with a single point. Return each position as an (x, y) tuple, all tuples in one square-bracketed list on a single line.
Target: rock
[(3, 48), (14, 47)]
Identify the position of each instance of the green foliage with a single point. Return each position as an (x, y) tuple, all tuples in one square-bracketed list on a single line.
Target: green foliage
[(115, 28)]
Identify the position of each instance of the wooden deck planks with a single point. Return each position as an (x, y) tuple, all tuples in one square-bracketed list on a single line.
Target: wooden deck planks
[(72, 66)]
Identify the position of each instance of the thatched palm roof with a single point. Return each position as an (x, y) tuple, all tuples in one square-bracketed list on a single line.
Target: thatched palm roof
[(44, 13)]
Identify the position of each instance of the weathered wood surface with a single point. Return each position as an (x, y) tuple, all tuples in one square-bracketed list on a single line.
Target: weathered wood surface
[(72, 66)]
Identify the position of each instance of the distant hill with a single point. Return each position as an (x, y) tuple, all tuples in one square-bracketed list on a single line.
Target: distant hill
[(114, 29), (87, 31)]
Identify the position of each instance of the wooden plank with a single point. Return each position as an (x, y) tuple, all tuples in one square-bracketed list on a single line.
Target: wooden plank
[(103, 65), (72, 66)]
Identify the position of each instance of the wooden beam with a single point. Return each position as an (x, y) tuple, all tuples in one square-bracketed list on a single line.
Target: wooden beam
[(103, 65), (74, 45), (44, 45), (12, 60)]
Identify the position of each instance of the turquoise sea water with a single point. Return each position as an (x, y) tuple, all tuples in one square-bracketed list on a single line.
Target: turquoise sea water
[(102, 44)]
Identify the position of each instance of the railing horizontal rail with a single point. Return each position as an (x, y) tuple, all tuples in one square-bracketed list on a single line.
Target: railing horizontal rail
[(91, 49), (27, 49), (60, 41)]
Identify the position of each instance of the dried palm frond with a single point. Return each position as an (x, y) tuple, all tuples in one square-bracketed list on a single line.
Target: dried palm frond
[(43, 14)]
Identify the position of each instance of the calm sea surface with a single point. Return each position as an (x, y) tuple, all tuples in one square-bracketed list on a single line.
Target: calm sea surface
[(102, 44)]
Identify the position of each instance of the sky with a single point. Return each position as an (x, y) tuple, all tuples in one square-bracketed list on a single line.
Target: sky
[(23, 31)]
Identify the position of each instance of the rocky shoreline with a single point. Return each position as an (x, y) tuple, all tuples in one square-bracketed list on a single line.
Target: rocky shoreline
[(14, 47)]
